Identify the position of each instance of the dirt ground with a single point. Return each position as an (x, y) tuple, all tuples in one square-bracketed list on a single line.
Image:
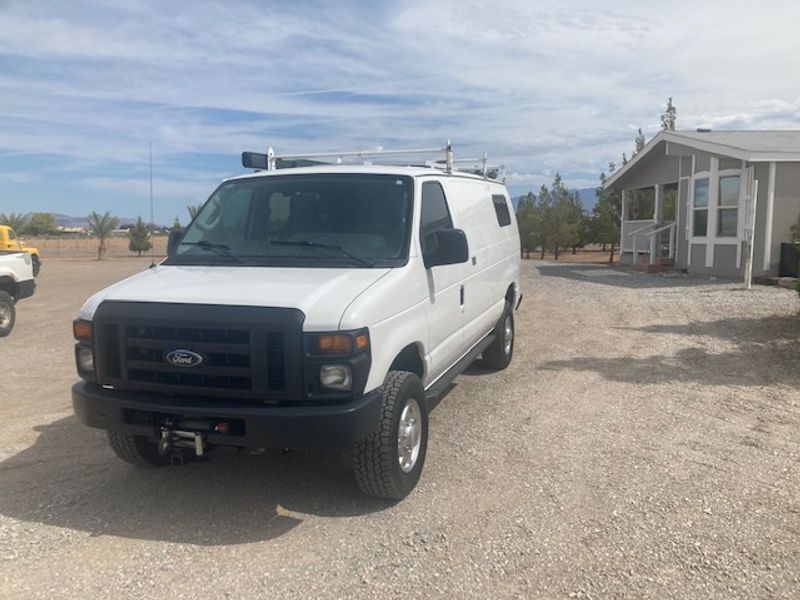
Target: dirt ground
[(644, 443)]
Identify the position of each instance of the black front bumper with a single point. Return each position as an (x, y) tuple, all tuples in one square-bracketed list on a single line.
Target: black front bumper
[(265, 426), (25, 289)]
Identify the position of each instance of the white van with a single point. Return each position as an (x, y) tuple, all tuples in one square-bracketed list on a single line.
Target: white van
[(315, 306)]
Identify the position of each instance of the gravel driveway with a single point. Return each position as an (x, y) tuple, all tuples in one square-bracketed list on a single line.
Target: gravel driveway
[(643, 443)]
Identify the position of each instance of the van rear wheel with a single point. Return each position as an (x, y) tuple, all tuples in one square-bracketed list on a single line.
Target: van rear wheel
[(36, 264), (499, 354), (136, 450), (388, 463), (8, 314)]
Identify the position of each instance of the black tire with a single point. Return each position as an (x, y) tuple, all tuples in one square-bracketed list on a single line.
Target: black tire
[(136, 450), (37, 265), (8, 314), (376, 460), (499, 354)]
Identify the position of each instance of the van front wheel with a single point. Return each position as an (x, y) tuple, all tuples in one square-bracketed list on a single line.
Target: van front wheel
[(388, 463), (498, 355), (136, 450)]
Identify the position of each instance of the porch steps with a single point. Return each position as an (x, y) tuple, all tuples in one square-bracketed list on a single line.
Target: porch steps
[(661, 264)]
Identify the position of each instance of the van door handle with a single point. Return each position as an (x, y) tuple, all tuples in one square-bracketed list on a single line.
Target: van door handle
[(462, 295), (474, 260)]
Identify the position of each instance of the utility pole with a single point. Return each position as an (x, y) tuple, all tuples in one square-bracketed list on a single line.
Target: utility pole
[(152, 211)]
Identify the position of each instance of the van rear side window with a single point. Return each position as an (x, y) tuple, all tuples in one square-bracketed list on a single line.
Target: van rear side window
[(501, 209)]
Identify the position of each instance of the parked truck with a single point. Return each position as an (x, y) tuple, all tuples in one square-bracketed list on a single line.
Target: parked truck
[(16, 283), (10, 242)]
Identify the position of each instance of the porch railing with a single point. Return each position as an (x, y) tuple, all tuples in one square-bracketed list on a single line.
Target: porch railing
[(650, 238)]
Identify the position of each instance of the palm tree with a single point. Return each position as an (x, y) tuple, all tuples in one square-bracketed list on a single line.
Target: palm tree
[(17, 221), (102, 226), (193, 210)]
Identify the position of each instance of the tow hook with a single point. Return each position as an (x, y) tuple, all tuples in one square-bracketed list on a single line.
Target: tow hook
[(172, 440)]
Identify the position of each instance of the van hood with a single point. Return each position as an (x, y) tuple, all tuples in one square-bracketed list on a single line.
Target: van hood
[(322, 294)]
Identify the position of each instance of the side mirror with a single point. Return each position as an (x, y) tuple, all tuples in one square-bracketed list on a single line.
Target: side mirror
[(445, 247), (175, 236)]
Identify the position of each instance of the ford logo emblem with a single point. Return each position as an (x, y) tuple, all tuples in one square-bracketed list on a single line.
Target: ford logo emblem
[(183, 358)]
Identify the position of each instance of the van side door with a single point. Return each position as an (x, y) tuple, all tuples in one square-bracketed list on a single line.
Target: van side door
[(444, 283)]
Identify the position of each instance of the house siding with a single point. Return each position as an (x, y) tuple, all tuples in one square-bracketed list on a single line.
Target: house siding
[(698, 256), (762, 175), (725, 257), (786, 209), (653, 169)]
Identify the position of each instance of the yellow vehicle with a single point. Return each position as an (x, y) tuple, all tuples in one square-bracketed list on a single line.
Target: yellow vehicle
[(9, 242)]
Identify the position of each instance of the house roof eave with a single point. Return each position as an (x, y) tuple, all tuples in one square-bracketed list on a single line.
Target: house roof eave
[(612, 179)]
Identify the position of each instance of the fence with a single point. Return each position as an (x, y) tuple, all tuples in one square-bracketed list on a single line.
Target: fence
[(65, 246)]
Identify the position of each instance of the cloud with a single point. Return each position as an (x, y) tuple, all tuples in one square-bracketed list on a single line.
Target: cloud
[(542, 89)]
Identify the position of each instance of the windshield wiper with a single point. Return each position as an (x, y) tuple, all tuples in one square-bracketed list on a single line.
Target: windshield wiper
[(310, 244), (221, 249)]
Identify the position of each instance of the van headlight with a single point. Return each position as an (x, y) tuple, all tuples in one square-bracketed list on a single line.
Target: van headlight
[(84, 352), (85, 358), (336, 377)]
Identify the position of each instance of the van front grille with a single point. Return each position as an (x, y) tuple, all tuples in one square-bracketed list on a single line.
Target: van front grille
[(260, 359)]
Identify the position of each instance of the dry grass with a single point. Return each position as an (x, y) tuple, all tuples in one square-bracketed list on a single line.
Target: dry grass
[(74, 247)]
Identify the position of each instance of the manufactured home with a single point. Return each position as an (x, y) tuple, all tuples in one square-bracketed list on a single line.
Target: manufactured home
[(710, 202)]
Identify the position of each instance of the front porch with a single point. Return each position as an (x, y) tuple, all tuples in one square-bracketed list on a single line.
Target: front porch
[(649, 227)]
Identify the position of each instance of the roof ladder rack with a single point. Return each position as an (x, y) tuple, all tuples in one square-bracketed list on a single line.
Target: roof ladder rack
[(272, 161)]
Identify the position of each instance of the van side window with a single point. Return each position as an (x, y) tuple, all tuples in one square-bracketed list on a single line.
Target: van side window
[(501, 209), (434, 214), (11, 234)]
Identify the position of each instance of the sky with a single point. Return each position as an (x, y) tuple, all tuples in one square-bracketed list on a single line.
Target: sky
[(543, 87)]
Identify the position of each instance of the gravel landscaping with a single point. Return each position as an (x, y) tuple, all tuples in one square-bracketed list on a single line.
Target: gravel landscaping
[(644, 443)]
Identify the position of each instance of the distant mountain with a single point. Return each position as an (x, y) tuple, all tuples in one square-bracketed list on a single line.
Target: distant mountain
[(588, 198)]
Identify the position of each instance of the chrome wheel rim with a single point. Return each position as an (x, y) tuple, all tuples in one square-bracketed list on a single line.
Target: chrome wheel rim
[(409, 435), (508, 332), (5, 316)]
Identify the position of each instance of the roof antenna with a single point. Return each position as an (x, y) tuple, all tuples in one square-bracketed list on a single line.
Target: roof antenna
[(152, 217)]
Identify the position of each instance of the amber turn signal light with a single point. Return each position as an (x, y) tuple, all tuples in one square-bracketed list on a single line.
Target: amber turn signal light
[(362, 341), (335, 344), (82, 330)]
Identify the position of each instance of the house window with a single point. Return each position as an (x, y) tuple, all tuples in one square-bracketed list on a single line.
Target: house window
[(728, 221), (701, 207), (501, 209)]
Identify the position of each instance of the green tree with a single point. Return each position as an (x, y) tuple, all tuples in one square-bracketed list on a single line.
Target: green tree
[(669, 116), (193, 210), (566, 215), (640, 142), (139, 237), (17, 221), (176, 224), (102, 226), (41, 223), (606, 216)]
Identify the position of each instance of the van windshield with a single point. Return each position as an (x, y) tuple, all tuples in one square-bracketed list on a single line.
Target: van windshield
[(326, 220)]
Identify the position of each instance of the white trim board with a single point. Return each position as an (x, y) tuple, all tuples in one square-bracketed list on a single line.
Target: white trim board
[(768, 222)]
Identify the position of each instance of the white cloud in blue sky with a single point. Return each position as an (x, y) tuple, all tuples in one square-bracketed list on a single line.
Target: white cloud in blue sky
[(544, 87)]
